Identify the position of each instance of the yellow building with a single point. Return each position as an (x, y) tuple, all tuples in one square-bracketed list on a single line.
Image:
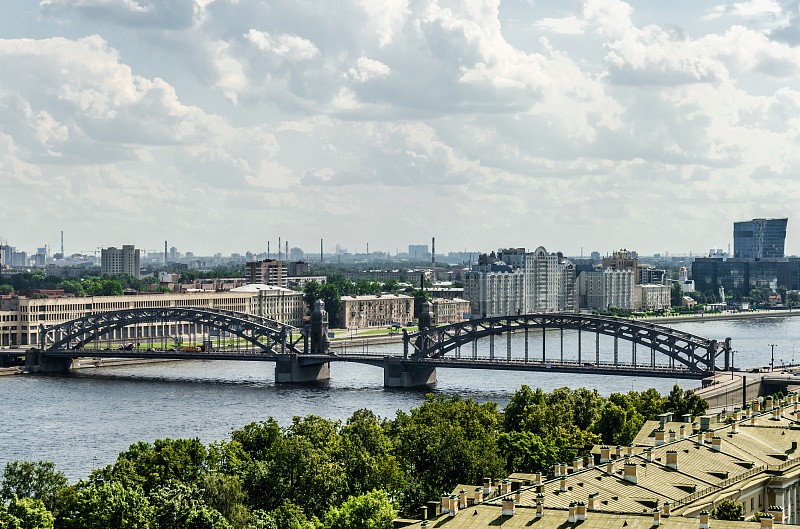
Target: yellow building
[(673, 476), (376, 311)]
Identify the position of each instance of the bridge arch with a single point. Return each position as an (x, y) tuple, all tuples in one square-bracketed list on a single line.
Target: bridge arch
[(695, 353), (270, 336)]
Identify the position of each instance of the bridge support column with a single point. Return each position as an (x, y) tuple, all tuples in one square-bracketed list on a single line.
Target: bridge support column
[(36, 363), (397, 374), (289, 370)]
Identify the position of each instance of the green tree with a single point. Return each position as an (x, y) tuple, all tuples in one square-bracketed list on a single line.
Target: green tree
[(225, 494), (25, 513), (104, 505), (366, 454), (372, 510), (291, 516), (180, 506), (676, 294), (445, 441), (728, 509), (38, 480), (72, 286), (680, 402), (527, 452), (6, 289), (152, 465)]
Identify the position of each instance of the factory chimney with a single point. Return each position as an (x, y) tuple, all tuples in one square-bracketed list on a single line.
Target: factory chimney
[(279, 248), (433, 259), (321, 258)]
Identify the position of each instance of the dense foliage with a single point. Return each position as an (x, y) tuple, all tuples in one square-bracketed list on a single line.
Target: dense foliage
[(322, 474)]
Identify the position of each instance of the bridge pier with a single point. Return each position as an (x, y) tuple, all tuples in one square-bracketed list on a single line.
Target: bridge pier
[(36, 363), (397, 374), (289, 370)]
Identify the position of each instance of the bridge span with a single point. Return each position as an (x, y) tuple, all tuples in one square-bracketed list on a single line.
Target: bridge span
[(304, 355)]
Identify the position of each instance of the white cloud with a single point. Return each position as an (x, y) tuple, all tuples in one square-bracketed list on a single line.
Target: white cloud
[(362, 114), (366, 69)]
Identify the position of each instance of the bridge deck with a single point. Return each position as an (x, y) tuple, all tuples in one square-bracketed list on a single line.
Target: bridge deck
[(378, 361)]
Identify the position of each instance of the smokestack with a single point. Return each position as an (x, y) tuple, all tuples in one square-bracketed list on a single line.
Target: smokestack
[(268, 254), (433, 259), (62, 243), (367, 248), (321, 258), (279, 248), (286, 253), (165, 252)]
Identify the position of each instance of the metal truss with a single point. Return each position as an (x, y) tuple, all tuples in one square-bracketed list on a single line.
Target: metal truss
[(270, 336), (696, 353)]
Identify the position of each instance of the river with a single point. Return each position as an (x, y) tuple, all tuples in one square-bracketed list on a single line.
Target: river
[(82, 421)]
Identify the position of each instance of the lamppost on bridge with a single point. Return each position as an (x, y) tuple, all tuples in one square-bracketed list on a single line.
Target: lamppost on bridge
[(772, 361)]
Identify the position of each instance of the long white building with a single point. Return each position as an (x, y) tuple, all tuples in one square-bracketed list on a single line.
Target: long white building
[(21, 317)]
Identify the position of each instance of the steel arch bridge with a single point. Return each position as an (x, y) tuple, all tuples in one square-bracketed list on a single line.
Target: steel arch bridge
[(695, 353), (268, 335)]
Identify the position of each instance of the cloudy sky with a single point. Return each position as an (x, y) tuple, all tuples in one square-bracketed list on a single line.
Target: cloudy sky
[(221, 124)]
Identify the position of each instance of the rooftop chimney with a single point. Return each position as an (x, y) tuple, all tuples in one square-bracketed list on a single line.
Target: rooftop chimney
[(573, 511), (766, 521), (659, 437), (594, 501), (672, 436), (453, 505), (705, 422), (777, 513), (563, 484), (580, 511), (478, 497), (605, 454), (716, 443), (656, 517), (445, 503), (509, 508), (462, 499), (704, 519), (539, 508), (630, 472), (672, 459), (667, 508)]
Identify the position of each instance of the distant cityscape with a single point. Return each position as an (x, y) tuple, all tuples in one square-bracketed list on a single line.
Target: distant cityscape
[(377, 289)]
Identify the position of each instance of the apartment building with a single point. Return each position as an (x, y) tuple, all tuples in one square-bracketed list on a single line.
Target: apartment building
[(376, 311), (123, 260), (267, 272)]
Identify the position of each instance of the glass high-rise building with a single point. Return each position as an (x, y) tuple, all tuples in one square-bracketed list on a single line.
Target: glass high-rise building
[(759, 238)]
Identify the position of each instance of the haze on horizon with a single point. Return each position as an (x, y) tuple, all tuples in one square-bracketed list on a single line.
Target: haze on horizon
[(220, 124)]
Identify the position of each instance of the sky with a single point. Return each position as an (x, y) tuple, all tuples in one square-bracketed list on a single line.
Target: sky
[(221, 124)]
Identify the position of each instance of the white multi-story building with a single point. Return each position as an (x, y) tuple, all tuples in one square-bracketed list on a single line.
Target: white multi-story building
[(602, 289), (652, 297), (523, 283), (495, 293), (120, 261)]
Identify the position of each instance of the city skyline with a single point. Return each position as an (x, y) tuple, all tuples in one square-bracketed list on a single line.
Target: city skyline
[(219, 124)]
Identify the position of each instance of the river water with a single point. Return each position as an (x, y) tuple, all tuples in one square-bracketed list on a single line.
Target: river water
[(82, 421)]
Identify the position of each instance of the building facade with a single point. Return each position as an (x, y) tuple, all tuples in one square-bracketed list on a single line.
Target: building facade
[(651, 298), (125, 260), (603, 289), (376, 311), (446, 311), (267, 272), (22, 317), (759, 239)]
